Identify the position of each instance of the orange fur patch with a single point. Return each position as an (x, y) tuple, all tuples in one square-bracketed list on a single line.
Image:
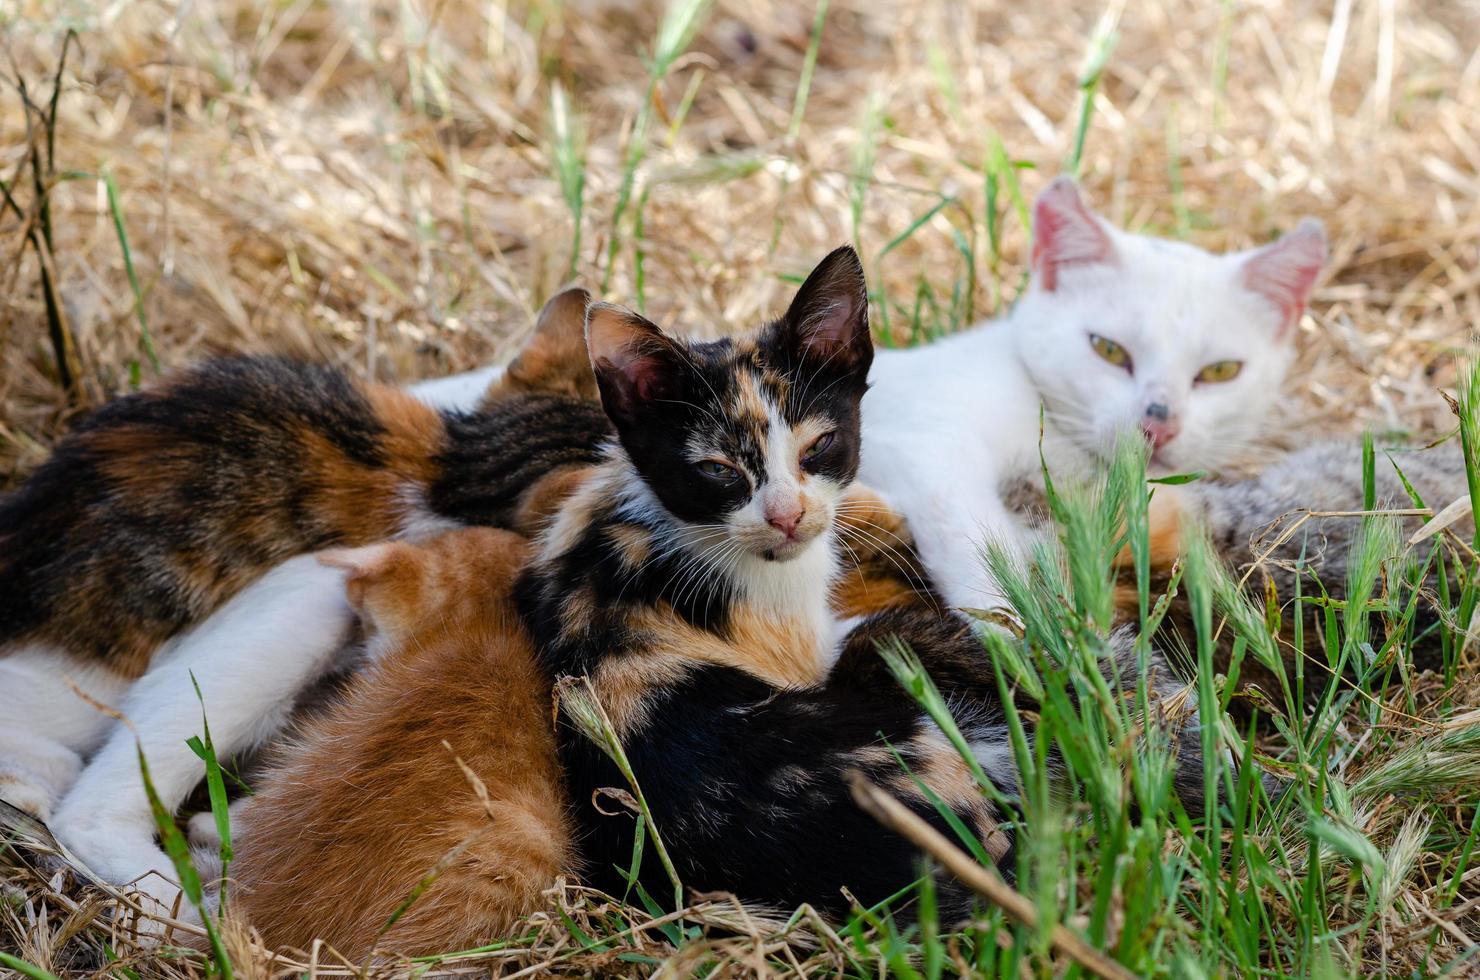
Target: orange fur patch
[(369, 503), (783, 653), (554, 360), (371, 800), (1166, 517), (539, 504), (881, 570), (941, 768), (623, 686)]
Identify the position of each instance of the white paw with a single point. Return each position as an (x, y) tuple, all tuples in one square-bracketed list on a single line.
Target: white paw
[(26, 795), (35, 773), (120, 852), (201, 831)]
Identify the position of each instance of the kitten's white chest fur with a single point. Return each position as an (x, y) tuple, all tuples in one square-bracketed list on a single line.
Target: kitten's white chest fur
[(796, 591)]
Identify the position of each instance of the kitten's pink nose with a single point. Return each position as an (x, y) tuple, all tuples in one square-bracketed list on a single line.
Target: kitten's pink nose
[(786, 517)]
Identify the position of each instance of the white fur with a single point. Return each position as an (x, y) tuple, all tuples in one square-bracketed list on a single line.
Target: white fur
[(459, 392), (418, 521), (46, 727), (797, 587), (250, 658)]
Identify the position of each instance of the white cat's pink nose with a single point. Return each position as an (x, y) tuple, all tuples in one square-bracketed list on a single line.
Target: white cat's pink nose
[(786, 517), (1160, 432)]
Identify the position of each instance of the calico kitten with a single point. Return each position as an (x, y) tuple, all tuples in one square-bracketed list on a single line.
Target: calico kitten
[(378, 783), (170, 537), (687, 582)]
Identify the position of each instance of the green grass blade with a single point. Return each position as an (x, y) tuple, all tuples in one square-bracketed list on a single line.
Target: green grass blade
[(116, 210), (26, 969)]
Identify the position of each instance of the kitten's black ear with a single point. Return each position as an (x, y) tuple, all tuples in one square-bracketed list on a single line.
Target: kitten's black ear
[(827, 323), (634, 363), (1066, 233)]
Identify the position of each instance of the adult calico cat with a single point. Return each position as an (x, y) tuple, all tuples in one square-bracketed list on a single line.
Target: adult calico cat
[(168, 541)]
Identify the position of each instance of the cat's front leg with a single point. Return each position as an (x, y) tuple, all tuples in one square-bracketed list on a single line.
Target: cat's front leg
[(49, 722), (250, 659), (953, 528)]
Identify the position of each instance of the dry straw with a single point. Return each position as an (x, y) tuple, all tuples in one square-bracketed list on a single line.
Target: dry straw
[(377, 182)]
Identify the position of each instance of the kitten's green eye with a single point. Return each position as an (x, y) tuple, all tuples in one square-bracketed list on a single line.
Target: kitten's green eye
[(819, 446), (1219, 371), (1110, 351), (715, 470)]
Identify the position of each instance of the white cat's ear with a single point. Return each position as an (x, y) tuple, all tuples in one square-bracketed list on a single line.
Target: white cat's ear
[(1285, 272), (1066, 233), (634, 362), (827, 323)]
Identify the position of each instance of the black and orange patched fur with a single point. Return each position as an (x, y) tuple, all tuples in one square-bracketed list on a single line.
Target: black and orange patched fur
[(440, 755), (164, 503)]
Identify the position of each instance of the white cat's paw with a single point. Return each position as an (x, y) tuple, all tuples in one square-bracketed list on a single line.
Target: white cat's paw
[(35, 772)]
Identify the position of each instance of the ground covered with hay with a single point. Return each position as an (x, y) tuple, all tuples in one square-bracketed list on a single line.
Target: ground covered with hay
[(397, 186)]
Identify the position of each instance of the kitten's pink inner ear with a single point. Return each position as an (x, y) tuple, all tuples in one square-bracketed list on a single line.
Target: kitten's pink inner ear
[(1066, 233), (360, 564), (828, 317), (831, 327), (625, 347), (1285, 272)]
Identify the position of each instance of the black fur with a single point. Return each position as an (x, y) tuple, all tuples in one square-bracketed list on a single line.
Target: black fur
[(748, 787), (496, 453)]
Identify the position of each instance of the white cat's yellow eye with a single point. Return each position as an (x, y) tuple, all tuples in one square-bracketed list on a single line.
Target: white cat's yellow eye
[(1219, 371), (1110, 351)]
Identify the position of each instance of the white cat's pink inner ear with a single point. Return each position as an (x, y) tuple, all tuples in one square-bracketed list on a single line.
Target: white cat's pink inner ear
[(1285, 272), (1066, 233)]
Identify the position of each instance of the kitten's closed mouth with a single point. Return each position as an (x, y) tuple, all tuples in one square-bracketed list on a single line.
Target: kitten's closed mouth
[(787, 550)]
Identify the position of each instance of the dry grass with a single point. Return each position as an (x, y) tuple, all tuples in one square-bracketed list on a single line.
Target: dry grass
[(376, 182)]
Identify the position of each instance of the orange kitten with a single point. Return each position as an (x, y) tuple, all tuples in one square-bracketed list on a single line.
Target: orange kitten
[(371, 799)]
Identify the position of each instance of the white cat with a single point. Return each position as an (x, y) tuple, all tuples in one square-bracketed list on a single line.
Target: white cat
[(1116, 332)]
